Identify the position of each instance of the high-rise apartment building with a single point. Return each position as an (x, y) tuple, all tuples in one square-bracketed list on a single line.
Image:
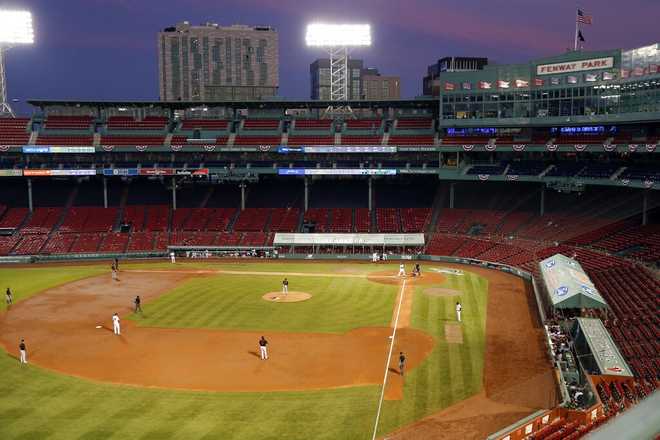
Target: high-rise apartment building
[(319, 72), (217, 63), (364, 83)]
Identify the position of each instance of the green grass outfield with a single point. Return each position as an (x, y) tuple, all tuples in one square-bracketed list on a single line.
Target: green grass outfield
[(37, 403)]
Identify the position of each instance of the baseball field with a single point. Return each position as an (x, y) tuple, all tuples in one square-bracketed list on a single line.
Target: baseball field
[(188, 366)]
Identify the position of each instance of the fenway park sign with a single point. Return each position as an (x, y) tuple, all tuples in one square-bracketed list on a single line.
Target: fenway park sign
[(575, 66)]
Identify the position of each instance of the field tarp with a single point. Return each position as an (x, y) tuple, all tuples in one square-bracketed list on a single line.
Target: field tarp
[(568, 286)]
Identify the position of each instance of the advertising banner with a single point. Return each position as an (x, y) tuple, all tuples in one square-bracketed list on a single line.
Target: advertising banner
[(349, 239), (336, 171)]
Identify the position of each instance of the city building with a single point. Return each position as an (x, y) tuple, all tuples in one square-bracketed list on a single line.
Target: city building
[(319, 72), (361, 78), (217, 63), (431, 82), (376, 87), (572, 87)]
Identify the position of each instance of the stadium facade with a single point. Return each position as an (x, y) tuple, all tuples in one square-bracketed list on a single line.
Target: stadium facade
[(216, 63), (576, 87)]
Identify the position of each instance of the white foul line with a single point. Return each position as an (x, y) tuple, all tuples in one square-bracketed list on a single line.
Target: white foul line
[(389, 356)]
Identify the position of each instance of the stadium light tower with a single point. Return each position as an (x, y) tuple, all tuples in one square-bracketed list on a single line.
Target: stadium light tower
[(15, 28), (337, 39)]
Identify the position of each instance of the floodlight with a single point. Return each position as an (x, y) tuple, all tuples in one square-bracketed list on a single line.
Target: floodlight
[(338, 35), (16, 27), (337, 39)]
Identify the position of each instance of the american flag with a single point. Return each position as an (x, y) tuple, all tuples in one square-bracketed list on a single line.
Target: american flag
[(583, 18)]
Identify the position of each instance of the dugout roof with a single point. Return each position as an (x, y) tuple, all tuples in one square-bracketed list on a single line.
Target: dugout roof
[(568, 286)]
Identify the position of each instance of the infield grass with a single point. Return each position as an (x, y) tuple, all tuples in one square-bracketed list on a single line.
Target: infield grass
[(37, 403)]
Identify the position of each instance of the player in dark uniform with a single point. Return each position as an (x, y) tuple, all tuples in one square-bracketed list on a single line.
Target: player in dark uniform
[(263, 348), (402, 363), (137, 302), (8, 297), (285, 286), (23, 350)]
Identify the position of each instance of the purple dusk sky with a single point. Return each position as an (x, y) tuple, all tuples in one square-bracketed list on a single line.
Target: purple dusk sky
[(106, 49)]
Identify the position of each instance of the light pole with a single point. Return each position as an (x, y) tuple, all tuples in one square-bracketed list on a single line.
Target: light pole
[(15, 29), (337, 39)]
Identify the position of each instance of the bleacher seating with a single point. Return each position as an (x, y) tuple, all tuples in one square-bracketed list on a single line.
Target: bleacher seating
[(252, 220), (415, 219), (261, 124), (414, 123), (86, 243), (14, 131), (114, 242), (219, 218), (388, 220), (313, 124), (362, 125), (205, 124), (157, 218), (341, 220), (68, 123), (140, 241), (284, 219), (30, 244), (318, 216), (132, 140), (149, 123), (42, 221), (89, 219), (311, 140), (58, 244), (13, 217)]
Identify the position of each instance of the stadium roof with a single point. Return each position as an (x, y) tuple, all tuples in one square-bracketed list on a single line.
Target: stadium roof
[(418, 102)]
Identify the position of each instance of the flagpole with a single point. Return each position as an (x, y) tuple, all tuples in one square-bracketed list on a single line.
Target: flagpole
[(577, 29)]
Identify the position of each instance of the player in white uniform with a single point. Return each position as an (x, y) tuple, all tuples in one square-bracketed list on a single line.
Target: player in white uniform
[(459, 308), (402, 270), (172, 257), (116, 324), (285, 286), (23, 351)]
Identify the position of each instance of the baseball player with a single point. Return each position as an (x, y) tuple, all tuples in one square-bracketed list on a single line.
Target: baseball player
[(263, 348), (117, 263), (23, 350), (172, 257), (285, 286), (402, 270), (116, 324), (459, 308), (8, 297), (402, 362), (114, 273), (137, 302)]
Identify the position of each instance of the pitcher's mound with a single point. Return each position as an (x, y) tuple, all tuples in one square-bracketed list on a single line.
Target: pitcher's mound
[(288, 298)]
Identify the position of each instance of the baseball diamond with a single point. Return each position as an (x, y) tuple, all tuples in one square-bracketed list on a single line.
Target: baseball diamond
[(209, 232), (198, 333)]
